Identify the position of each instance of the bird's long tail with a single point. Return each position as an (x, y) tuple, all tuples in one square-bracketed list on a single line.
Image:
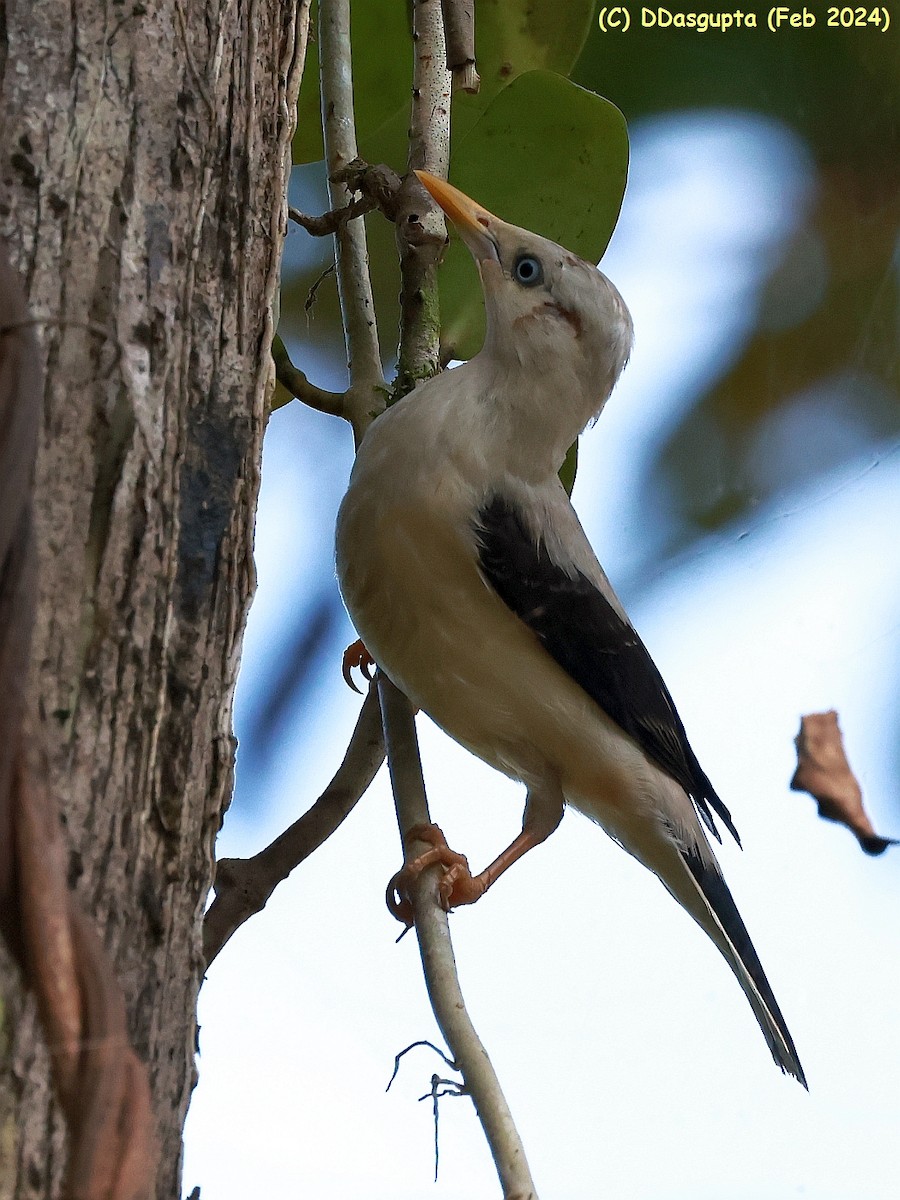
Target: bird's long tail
[(714, 909)]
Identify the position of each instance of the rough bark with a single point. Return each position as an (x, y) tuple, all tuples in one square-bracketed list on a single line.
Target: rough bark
[(143, 162)]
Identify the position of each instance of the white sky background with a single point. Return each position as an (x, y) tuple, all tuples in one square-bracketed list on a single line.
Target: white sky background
[(628, 1053)]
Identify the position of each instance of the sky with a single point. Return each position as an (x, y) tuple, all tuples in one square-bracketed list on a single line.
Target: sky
[(626, 1049)]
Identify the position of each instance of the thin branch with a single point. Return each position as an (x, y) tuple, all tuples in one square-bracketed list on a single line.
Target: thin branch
[(298, 385), (244, 885), (313, 294), (439, 1089), (366, 395), (429, 124), (438, 962), (420, 241), (421, 230), (421, 233)]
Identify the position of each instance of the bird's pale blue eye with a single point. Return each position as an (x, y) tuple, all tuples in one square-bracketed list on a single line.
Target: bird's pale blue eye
[(528, 271)]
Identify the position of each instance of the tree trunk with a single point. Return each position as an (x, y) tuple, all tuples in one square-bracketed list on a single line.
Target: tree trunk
[(144, 150)]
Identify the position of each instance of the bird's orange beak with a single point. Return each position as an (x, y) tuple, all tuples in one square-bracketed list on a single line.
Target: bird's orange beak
[(473, 222)]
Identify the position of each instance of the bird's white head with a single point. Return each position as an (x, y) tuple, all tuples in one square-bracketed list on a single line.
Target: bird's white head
[(545, 306)]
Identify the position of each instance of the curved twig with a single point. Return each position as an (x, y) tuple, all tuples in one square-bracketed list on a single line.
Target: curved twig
[(331, 221), (298, 385)]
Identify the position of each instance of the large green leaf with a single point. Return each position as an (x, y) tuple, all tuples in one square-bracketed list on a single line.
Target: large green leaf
[(381, 45), (516, 36), (511, 37), (546, 155)]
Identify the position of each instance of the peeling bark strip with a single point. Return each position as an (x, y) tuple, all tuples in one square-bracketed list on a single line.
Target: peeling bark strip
[(459, 35), (824, 772), (143, 163), (102, 1085)]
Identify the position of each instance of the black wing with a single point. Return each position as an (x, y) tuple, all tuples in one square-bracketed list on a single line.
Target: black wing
[(583, 632)]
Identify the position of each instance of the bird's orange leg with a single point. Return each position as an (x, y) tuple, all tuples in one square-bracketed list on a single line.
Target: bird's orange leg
[(458, 885), (356, 655)]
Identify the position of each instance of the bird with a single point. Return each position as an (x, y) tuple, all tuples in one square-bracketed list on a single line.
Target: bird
[(474, 588)]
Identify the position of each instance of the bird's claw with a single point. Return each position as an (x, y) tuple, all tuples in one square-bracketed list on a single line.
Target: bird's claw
[(457, 886), (356, 655)]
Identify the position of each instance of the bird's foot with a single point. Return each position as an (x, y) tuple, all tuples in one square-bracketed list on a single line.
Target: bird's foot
[(356, 655), (458, 885)]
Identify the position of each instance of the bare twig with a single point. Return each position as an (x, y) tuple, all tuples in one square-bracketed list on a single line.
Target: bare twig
[(366, 394), (439, 1089), (331, 221), (459, 32), (420, 241), (298, 385), (244, 885), (313, 294), (377, 181), (824, 772)]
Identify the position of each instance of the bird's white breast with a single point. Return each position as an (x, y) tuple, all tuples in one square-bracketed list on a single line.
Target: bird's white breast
[(407, 566)]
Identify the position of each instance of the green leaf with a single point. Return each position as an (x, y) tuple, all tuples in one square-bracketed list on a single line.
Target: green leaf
[(511, 38), (381, 45), (548, 156), (569, 468), (516, 36)]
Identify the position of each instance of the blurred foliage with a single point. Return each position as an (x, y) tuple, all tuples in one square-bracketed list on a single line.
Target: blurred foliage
[(835, 354), (569, 469)]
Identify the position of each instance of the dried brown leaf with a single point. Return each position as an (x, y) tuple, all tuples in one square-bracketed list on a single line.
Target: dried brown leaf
[(824, 772)]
